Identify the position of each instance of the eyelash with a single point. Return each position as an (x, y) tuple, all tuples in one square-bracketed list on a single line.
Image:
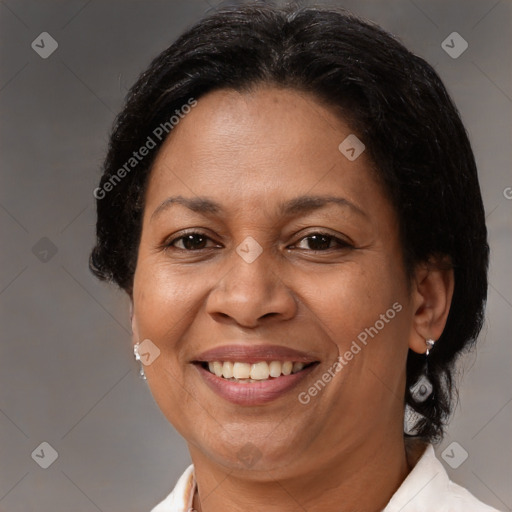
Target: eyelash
[(341, 243)]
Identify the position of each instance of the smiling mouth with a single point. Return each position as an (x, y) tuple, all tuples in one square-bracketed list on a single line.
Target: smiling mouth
[(247, 373)]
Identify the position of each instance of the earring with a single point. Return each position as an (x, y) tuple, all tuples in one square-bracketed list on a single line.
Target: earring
[(423, 387), (136, 354), (420, 392)]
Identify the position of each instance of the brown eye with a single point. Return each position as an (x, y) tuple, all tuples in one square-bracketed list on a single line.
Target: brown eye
[(322, 242), (190, 242)]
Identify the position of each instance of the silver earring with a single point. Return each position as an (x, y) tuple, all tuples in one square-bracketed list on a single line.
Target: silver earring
[(420, 392), (136, 354), (423, 387), (411, 419)]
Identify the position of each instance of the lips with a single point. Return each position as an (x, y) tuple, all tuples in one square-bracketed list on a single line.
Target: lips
[(255, 374)]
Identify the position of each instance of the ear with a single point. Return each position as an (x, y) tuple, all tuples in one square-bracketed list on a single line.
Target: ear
[(133, 320), (432, 294)]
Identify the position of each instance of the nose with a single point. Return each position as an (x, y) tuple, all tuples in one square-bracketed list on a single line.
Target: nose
[(251, 293)]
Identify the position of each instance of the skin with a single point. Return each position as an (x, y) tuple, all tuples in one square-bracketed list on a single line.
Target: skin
[(250, 152)]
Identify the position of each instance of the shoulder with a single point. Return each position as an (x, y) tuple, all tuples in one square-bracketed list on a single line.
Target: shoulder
[(428, 488)]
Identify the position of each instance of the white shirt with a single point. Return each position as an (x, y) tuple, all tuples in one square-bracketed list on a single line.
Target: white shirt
[(426, 488)]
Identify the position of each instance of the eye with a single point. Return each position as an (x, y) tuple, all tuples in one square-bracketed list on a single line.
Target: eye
[(322, 242), (192, 241), (196, 241)]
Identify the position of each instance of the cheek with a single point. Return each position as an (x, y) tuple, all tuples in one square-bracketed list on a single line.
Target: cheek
[(351, 298), (364, 312), (161, 282), (165, 302)]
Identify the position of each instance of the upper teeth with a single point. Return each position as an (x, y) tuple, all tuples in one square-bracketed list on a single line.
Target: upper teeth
[(255, 371)]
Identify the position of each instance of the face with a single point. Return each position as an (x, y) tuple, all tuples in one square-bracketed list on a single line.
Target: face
[(278, 250)]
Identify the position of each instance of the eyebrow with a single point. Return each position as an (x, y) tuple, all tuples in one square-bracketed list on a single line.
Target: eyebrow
[(298, 205)]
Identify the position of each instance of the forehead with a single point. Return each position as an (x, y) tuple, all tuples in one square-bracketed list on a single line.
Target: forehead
[(254, 147)]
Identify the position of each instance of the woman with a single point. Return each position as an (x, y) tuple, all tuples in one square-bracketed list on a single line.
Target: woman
[(291, 203)]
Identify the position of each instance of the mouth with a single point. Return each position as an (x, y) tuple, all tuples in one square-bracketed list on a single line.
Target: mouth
[(250, 373), (246, 390), (255, 374)]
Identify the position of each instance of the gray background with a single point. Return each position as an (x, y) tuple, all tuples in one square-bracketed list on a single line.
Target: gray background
[(67, 375)]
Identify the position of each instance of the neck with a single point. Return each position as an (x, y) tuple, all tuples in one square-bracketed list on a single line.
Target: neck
[(364, 479)]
